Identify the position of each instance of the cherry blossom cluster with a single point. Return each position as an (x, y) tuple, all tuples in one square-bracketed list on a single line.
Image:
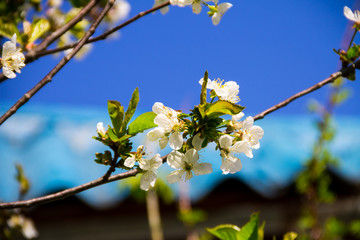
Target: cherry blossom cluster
[(216, 11), (188, 134)]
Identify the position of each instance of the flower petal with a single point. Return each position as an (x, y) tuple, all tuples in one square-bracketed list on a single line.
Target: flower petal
[(155, 134), (237, 117), (231, 165), (8, 73), (147, 180), (9, 49), (158, 108), (191, 156), (175, 176), (225, 141), (216, 18), (163, 142), (196, 7), (197, 141), (202, 168), (223, 7), (248, 122), (349, 14), (163, 122), (176, 140), (130, 162), (176, 159)]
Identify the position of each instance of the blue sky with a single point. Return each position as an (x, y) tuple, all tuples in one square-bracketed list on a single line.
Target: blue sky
[(271, 49)]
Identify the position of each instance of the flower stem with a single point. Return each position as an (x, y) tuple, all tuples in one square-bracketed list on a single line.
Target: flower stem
[(352, 39)]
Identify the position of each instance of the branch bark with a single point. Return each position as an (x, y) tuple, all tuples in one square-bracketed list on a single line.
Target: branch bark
[(71, 191), (320, 84), (68, 192), (55, 35), (24, 99)]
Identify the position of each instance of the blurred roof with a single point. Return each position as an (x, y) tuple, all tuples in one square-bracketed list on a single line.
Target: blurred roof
[(55, 147)]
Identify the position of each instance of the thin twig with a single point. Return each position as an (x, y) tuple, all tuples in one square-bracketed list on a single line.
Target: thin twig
[(32, 55), (328, 80), (55, 35), (71, 191), (105, 34), (58, 67), (68, 192)]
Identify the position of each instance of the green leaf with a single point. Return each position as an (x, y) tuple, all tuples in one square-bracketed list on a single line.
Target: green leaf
[(116, 112), (250, 230), (141, 123), (203, 88), (223, 107), (132, 107), (123, 138), (8, 29), (290, 236), (39, 27), (353, 53), (225, 232), (261, 231), (112, 135)]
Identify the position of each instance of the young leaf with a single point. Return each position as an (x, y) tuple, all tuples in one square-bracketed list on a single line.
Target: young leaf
[(116, 112), (225, 232), (290, 236), (132, 107), (141, 123), (353, 53), (223, 107), (203, 88), (39, 28), (112, 135), (250, 230), (8, 29)]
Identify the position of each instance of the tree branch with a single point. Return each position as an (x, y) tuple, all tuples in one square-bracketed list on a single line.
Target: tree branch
[(328, 80), (58, 67), (55, 35), (68, 192), (71, 191), (105, 34), (32, 56)]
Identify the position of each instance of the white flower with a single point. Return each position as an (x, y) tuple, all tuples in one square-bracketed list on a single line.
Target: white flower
[(28, 229), (230, 163), (119, 11), (228, 91), (352, 16), (252, 134), (149, 166), (221, 9), (130, 161), (100, 129), (169, 127), (12, 58), (163, 10), (181, 3), (196, 5), (185, 164), (235, 121)]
